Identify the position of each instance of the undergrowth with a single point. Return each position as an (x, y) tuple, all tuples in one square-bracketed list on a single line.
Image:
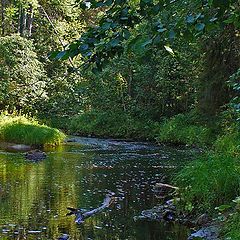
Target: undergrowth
[(25, 130), (209, 181), (232, 227), (112, 124), (213, 179), (182, 129)]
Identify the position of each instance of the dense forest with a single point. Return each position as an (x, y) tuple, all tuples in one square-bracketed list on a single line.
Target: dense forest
[(161, 71)]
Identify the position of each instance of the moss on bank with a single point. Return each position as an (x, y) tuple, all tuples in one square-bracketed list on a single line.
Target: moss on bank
[(20, 129)]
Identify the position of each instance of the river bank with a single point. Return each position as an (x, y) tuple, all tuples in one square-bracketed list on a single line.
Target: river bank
[(210, 181)]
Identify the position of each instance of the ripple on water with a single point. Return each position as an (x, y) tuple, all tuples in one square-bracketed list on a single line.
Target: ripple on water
[(34, 197)]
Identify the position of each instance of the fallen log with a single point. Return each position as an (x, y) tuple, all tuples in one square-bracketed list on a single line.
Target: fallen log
[(81, 214)]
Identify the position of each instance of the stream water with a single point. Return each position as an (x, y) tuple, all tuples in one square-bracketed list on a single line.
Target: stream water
[(34, 195)]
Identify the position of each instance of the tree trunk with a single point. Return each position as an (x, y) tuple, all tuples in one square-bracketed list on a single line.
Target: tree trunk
[(222, 57), (3, 4), (30, 21), (22, 21)]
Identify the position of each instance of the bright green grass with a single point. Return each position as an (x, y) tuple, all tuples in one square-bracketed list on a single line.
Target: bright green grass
[(210, 181), (24, 130), (232, 227)]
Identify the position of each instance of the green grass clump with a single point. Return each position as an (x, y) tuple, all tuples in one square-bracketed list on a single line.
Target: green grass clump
[(181, 130), (112, 124), (20, 129), (214, 178), (232, 227), (210, 181), (229, 143)]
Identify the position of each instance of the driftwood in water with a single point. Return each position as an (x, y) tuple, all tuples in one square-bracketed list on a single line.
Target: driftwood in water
[(81, 214), (162, 190), (163, 185)]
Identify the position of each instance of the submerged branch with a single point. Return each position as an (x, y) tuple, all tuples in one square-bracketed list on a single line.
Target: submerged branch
[(81, 215)]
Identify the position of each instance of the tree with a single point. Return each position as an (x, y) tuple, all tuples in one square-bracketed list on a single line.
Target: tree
[(22, 75)]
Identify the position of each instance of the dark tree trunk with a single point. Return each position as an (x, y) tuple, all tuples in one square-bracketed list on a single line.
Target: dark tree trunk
[(222, 58), (22, 21), (3, 4)]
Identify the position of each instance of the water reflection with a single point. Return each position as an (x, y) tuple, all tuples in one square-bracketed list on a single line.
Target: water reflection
[(34, 196)]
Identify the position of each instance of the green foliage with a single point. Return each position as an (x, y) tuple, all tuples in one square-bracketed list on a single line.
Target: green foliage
[(234, 82), (181, 129), (170, 20), (229, 143), (22, 75), (210, 181), (214, 178), (20, 129), (232, 226), (112, 124)]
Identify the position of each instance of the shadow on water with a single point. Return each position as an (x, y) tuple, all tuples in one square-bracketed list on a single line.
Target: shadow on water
[(34, 196)]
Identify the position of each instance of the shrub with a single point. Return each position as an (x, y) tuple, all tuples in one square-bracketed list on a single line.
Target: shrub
[(181, 130), (20, 129), (112, 124), (21, 73)]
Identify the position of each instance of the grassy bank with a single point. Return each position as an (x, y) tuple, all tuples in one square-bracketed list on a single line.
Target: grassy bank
[(212, 182), (23, 130)]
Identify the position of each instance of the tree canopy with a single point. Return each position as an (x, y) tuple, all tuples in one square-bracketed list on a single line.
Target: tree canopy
[(118, 28)]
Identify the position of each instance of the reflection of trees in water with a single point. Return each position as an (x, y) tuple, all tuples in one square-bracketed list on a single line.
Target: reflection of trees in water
[(35, 195)]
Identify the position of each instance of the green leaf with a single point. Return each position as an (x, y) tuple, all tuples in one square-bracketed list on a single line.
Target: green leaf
[(168, 49), (172, 34), (147, 42), (114, 42), (83, 47), (61, 55), (162, 30), (223, 207), (106, 26), (199, 26), (109, 2), (190, 19), (126, 34), (53, 55)]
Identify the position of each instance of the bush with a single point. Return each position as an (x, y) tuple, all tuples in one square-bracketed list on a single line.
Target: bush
[(20, 129), (21, 73), (112, 124), (181, 130)]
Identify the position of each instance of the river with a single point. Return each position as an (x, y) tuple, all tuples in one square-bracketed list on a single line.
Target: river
[(34, 195)]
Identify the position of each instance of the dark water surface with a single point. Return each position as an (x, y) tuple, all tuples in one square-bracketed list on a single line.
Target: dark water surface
[(34, 196)]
